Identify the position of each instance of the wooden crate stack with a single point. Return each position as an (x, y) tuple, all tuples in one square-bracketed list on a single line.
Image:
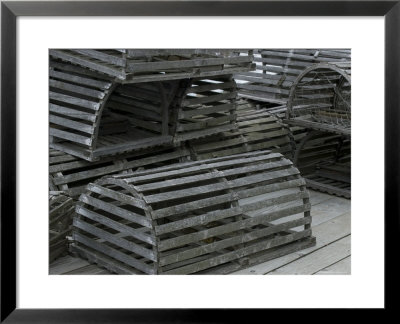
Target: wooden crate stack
[(149, 112), (271, 88), (114, 111)]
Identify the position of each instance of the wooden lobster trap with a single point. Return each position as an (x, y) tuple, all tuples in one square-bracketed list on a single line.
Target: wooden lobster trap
[(94, 115), (277, 69), (320, 98), (320, 102), (210, 216)]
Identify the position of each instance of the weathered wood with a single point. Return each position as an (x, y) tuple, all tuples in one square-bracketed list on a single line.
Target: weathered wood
[(109, 117), (317, 260), (194, 216), (342, 267)]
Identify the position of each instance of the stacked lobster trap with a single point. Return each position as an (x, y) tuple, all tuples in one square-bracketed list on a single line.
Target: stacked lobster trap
[(104, 103), (310, 91), (170, 172), (320, 101)]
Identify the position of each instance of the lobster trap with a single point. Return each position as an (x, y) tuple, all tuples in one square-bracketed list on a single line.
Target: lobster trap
[(277, 69), (94, 115), (320, 99), (210, 216), (320, 102)]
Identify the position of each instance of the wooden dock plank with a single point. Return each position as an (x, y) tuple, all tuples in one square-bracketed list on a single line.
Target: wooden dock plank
[(334, 206), (317, 197), (317, 260), (91, 269), (342, 267), (66, 264)]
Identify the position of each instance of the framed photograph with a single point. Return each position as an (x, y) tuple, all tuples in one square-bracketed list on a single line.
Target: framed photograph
[(211, 139)]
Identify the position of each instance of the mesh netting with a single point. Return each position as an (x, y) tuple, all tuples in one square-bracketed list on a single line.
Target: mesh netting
[(321, 98)]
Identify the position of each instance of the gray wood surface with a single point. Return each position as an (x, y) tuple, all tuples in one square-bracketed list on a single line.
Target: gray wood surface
[(342, 267)]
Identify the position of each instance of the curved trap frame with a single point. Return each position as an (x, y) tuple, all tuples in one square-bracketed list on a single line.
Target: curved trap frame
[(320, 99), (277, 69), (211, 216)]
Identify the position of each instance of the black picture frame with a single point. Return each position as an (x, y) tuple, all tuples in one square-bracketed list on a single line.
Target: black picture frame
[(11, 10)]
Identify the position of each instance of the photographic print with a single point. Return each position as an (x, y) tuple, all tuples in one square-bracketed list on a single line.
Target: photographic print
[(199, 161)]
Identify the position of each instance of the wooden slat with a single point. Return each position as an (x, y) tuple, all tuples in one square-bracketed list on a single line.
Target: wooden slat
[(81, 60), (77, 89), (113, 253), (239, 225), (72, 113), (212, 247), (104, 85), (239, 253), (74, 101), (71, 136), (126, 230), (112, 59), (130, 246), (317, 260), (89, 129), (161, 66), (120, 212)]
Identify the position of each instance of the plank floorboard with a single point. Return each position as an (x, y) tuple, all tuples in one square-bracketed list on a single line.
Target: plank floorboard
[(66, 264), (317, 260), (342, 267)]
